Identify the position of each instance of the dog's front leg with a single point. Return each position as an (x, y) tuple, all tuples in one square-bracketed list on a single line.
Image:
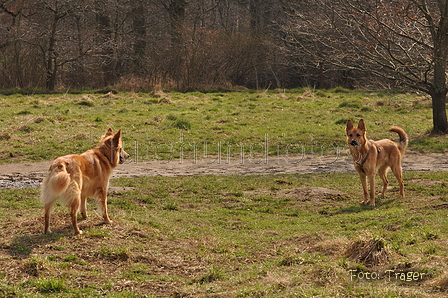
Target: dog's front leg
[(103, 205), (363, 178), (372, 189)]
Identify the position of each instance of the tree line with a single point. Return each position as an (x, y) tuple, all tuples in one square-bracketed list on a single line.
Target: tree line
[(209, 44), (180, 44), (183, 44)]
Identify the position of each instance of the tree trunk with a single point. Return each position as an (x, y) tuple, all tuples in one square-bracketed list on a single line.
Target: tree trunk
[(439, 89), (139, 29), (105, 35), (51, 55), (176, 11), (50, 83), (439, 112)]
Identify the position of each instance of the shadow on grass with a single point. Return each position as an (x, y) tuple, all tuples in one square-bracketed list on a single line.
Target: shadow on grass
[(22, 246), (360, 208)]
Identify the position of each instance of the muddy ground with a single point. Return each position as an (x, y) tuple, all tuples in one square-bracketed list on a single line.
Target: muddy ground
[(31, 174)]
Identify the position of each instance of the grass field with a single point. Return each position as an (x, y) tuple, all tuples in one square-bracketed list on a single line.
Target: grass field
[(224, 236), (42, 127)]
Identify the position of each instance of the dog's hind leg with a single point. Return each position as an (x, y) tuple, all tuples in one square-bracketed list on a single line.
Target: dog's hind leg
[(83, 208), (47, 217), (72, 197), (398, 172), (73, 214), (53, 186), (48, 198), (382, 172)]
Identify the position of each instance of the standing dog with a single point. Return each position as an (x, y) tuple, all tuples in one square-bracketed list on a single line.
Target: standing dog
[(74, 178), (376, 156)]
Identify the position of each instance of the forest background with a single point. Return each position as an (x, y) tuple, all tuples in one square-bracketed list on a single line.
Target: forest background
[(183, 45), (203, 45)]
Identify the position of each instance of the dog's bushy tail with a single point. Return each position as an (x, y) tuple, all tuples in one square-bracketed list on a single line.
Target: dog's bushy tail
[(56, 182), (403, 143)]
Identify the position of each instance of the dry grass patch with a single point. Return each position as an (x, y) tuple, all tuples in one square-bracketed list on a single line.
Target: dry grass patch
[(441, 283), (307, 94), (109, 95), (368, 251)]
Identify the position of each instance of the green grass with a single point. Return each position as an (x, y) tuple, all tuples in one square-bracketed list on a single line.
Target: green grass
[(231, 236), (42, 127), (221, 236)]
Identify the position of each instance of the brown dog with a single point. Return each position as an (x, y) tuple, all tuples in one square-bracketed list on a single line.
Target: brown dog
[(74, 178), (376, 156)]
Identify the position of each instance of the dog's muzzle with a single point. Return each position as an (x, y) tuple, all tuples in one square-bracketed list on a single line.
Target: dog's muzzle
[(354, 143), (123, 156)]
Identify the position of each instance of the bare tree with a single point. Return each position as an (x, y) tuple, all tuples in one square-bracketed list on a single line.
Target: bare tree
[(52, 28), (401, 40), (18, 59), (139, 31), (58, 11)]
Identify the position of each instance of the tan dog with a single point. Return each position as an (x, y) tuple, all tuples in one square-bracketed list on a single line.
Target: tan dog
[(74, 178), (376, 156)]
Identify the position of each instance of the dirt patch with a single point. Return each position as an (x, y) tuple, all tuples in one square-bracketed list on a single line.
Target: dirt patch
[(315, 242), (31, 174)]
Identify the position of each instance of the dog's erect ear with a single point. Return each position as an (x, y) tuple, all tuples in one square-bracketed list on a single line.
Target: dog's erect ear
[(362, 125), (117, 136), (108, 132), (349, 125)]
